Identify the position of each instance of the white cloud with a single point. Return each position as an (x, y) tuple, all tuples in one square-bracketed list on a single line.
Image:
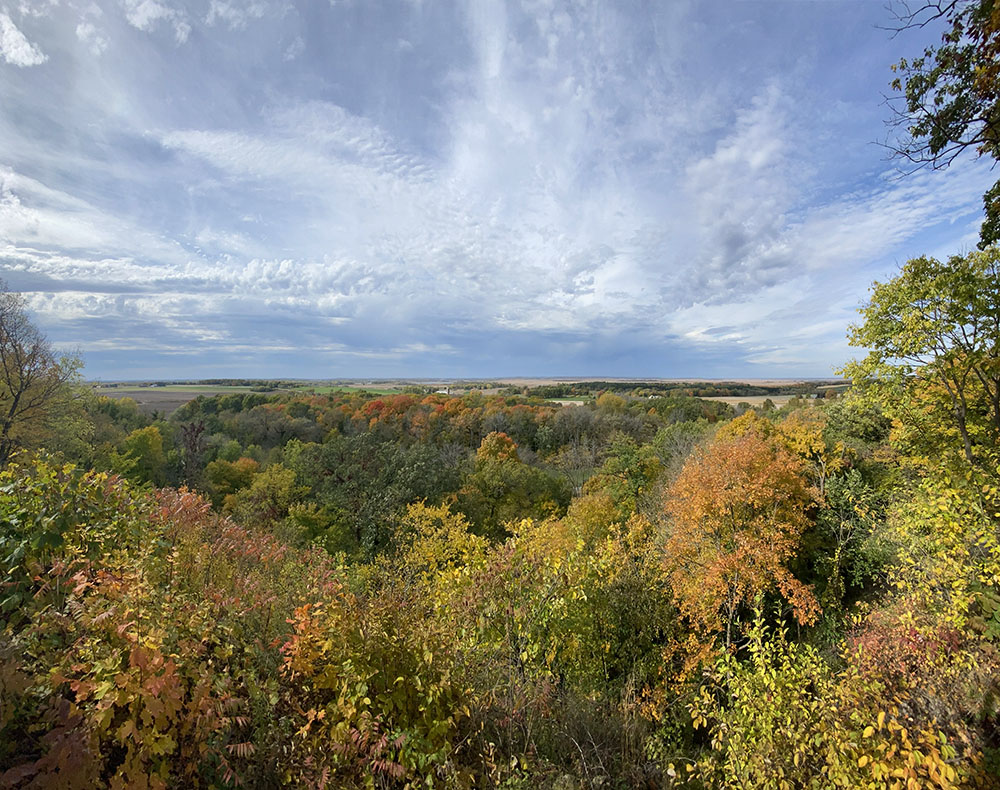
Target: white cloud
[(491, 228), (15, 48), (15, 219), (37, 8), (34, 215), (147, 14), (553, 179), (236, 16), (95, 40), (295, 49), (738, 196), (228, 243)]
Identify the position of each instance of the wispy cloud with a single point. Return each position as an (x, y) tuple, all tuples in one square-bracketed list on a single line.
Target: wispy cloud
[(499, 188), (148, 14), (234, 15)]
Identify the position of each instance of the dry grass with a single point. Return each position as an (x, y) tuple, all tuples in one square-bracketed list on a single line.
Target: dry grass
[(753, 400)]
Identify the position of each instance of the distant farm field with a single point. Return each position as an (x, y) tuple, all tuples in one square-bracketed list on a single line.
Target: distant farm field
[(170, 397), (753, 400), (166, 399), (330, 389)]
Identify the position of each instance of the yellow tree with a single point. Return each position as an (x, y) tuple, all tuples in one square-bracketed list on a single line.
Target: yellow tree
[(802, 432), (737, 512)]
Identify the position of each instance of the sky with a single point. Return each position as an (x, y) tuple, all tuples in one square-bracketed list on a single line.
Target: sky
[(338, 188)]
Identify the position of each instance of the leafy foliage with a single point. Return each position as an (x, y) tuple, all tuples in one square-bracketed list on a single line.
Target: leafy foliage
[(494, 591), (737, 510), (934, 361), (950, 96), (783, 718)]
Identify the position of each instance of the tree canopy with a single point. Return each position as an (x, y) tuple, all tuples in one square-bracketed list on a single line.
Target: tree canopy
[(949, 98), (933, 334), (738, 510)]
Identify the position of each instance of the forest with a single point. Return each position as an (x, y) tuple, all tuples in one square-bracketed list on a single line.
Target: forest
[(358, 590), (647, 589)]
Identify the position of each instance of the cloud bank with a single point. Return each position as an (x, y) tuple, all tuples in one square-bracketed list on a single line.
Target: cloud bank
[(535, 188)]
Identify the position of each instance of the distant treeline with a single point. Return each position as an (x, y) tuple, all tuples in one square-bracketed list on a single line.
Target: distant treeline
[(646, 389), (253, 383)]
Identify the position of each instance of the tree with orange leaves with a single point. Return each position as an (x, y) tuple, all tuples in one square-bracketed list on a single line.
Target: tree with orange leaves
[(737, 511)]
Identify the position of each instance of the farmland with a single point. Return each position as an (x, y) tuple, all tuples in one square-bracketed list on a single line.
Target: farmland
[(163, 398)]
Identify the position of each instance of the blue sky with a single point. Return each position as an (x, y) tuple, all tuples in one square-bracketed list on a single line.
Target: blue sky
[(375, 189)]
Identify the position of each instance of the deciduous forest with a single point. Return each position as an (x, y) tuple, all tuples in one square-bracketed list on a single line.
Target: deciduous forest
[(643, 589), (354, 590)]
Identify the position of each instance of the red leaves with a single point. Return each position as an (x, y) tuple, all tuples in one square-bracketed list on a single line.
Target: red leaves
[(368, 750), (374, 408), (244, 749), (900, 652), (181, 507)]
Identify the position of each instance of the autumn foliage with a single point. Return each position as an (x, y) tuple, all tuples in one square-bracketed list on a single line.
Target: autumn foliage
[(499, 592), (737, 513)]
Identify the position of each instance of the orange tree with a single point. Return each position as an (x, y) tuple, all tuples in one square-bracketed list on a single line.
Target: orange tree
[(737, 513)]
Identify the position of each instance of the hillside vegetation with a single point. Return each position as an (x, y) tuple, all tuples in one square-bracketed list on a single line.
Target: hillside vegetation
[(348, 590)]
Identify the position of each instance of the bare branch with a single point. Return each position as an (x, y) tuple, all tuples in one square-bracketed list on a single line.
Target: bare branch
[(31, 376)]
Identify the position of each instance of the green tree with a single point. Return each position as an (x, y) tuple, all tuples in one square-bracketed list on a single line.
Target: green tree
[(502, 489), (933, 334), (363, 484), (143, 457), (627, 474), (268, 498), (846, 524), (227, 477), (232, 450), (950, 97)]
